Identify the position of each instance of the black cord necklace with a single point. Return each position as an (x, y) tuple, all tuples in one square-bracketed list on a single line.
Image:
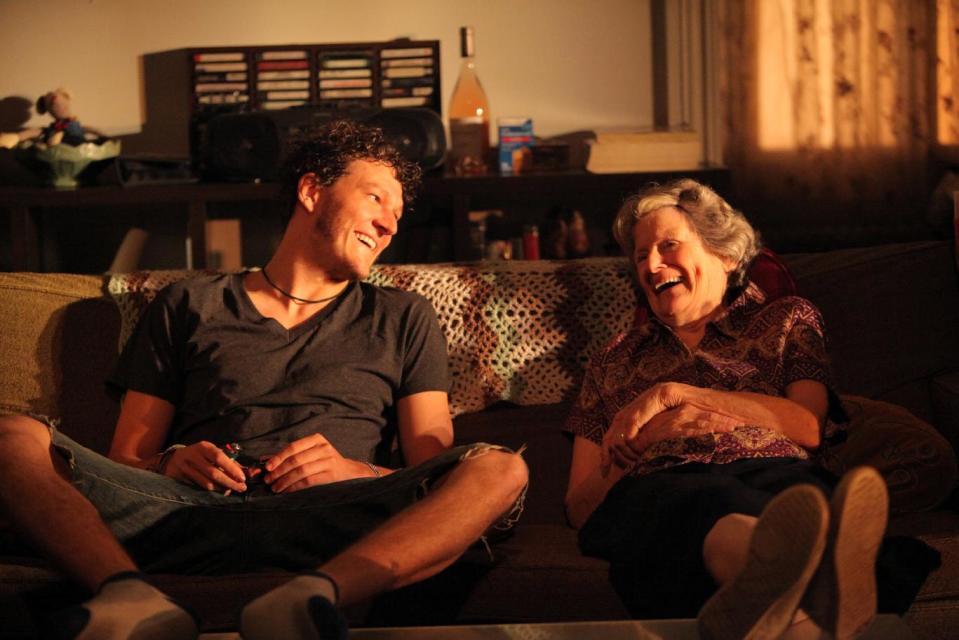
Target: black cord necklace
[(266, 277)]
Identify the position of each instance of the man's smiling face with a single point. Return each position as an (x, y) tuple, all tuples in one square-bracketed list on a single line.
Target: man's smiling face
[(356, 218)]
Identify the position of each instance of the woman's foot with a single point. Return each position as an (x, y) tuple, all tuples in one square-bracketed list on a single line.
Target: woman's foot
[(785, 548), (841, 598)]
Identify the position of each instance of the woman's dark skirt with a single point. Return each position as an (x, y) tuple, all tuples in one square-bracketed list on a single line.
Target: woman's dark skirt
[(651, 529)]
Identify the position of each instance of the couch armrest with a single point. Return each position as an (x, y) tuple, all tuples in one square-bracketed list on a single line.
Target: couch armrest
[(945, 405), (59, 337)]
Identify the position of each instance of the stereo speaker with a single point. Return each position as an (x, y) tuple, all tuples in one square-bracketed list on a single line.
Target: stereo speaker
[(243, 147)]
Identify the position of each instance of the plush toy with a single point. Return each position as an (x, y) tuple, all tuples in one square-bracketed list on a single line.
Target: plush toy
[(65, 128)]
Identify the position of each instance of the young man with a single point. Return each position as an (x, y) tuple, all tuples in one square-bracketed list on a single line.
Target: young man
[(312, 373)]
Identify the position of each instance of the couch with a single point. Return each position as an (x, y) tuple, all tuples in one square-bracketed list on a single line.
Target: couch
[(519, 336)]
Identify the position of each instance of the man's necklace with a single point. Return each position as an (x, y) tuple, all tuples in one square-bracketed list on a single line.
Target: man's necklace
[(266, 277)]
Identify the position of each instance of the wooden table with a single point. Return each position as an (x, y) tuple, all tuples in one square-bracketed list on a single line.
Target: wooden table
[(884, 627)]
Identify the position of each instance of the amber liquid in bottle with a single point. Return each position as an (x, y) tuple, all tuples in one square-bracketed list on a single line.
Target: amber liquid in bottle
[(469, 115)]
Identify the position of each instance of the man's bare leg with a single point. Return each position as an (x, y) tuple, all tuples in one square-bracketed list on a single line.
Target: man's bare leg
[(42, 504), (426, 538), (415, 544)]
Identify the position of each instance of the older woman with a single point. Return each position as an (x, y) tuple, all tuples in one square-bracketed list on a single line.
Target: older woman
[(693, 432)]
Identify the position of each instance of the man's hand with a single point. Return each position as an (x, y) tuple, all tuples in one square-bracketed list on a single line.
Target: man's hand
[(207, 466), (308, 462)]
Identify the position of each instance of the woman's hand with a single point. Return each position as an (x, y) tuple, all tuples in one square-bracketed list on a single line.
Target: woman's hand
[(660, 413), (311, 461), (798, 416), (207, 466), (621, 445), (684, 421)]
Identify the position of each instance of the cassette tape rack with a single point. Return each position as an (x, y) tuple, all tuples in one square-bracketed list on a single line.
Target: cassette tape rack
[(398, 73)]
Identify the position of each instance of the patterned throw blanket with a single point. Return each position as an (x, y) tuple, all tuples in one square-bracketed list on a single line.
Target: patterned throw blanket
[(517, 331)]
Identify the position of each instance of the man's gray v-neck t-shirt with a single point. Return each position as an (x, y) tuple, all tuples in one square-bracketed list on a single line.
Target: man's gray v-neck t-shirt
[(236, 376)]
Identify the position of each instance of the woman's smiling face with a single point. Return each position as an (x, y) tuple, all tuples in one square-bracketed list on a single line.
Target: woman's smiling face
[(683, 281)]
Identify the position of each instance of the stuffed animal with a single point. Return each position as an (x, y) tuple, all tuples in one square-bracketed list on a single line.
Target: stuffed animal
[(65, 128)]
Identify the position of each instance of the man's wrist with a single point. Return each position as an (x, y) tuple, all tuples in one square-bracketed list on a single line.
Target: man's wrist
[(160, 461)]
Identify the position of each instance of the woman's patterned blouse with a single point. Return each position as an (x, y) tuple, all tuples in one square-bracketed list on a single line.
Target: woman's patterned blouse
[(751, 346)]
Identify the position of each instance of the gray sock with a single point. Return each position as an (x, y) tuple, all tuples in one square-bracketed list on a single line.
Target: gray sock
[(127, 607), (304, 607)]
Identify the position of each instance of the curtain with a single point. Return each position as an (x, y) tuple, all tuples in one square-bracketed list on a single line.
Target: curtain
[(947, 80), (834, 105)]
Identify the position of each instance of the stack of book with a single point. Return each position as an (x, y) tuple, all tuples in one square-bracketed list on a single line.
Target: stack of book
[(627, 151)]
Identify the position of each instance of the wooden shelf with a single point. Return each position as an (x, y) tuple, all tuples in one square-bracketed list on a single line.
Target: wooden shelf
[(462, 194), (23, 203), (445, 195)]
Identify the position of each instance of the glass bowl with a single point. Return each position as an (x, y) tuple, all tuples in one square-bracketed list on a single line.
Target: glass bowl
[(66, 162)]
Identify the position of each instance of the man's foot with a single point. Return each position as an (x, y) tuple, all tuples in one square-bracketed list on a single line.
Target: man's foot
[(303, 608), (784, 551), (125, 607), (841, 598)]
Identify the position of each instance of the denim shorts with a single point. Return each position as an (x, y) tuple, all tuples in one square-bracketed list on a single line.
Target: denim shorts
[(168, 526)]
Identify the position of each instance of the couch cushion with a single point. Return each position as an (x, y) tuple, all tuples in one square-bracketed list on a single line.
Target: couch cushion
[(548, 450), (935, 612), (59, 343), (30, 590), (538, 559), (541, 567), (918, 464), (891, 312)]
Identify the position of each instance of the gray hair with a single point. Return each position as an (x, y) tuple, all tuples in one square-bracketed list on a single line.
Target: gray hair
[(724, 231)]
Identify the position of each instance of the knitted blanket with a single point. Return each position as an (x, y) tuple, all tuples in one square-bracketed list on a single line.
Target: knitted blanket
[(520, 331)]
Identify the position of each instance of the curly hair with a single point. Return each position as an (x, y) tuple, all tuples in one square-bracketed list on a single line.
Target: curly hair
[(724, 231), (327, 152)]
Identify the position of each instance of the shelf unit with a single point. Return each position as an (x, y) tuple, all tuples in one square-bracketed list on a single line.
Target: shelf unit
[(444, 199)]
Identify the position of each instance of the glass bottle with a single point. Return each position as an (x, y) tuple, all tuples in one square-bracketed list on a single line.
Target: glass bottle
[(469, 115)]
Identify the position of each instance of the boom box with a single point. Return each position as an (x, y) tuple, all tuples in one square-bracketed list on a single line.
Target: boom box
[(243, 147)]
